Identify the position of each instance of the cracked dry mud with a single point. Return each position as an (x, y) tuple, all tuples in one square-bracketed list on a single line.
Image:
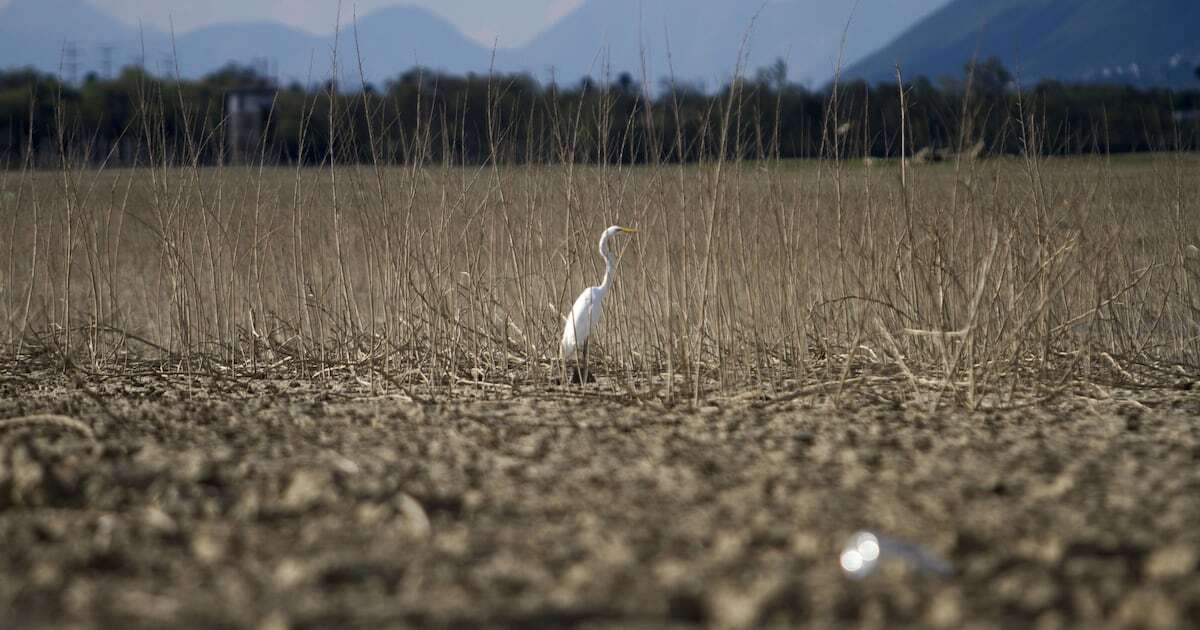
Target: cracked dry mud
[(278, 505)]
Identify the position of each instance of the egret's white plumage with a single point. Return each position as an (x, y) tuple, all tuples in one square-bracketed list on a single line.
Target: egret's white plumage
[(585, 314)]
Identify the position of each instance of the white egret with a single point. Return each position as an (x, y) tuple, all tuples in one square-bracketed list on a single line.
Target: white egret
[(585, 314)]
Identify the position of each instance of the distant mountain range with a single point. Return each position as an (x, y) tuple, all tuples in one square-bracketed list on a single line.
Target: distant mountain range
[(704, 39), (1137, 42), (1127, 41), (387, 42), (42, 33), (700, 39)]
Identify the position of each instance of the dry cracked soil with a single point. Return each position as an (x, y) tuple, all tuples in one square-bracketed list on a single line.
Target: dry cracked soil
[(143, 501)]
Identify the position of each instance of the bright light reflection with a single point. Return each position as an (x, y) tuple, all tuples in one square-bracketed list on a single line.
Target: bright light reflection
[(860, 554), (852, 561), (868, 546)]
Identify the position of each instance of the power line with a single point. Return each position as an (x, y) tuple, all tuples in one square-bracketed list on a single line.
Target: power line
[(106, 61), (71, 63)]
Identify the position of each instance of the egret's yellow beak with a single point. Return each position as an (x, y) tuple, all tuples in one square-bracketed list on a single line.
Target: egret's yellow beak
[(629, 230)]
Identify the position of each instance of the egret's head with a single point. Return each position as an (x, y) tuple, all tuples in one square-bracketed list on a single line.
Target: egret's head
[(612, 231), (616, 229)]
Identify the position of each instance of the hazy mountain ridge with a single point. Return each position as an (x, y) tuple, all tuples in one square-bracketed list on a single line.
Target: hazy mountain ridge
[(1137, 41), (1140, 42), (395, 39), (704, 38), (37, 33), (206, 48), (701, 39), (41, 33)]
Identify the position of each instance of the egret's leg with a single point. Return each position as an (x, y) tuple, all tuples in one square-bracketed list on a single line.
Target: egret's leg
[(583, 373)]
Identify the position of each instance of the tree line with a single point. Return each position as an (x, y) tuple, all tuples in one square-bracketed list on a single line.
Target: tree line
[(424, 115)]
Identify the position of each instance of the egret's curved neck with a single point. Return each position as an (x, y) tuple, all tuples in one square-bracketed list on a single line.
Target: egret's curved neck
[(609, 265)]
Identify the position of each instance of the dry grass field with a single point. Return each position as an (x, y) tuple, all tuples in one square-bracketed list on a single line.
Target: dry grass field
[(974, 281), (314, 397)]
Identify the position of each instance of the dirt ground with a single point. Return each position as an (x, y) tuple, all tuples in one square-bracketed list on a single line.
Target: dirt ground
[(190, 502)]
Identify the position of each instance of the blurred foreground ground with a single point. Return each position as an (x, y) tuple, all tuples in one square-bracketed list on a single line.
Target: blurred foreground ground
[(202, 503)]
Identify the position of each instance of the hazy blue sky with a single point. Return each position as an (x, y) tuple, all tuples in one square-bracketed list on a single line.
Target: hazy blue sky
[(513, 21)]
